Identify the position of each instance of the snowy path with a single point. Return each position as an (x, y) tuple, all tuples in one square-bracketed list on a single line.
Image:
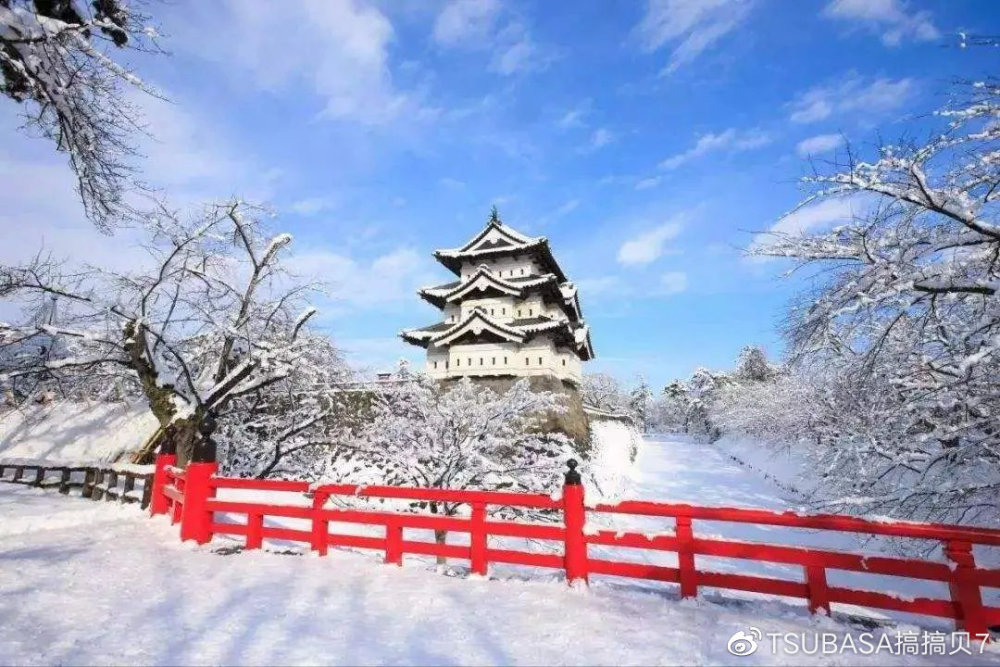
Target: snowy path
[(675, 468), (82, 582)]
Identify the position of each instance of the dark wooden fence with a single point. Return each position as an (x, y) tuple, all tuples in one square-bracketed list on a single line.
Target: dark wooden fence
[(125, 484)]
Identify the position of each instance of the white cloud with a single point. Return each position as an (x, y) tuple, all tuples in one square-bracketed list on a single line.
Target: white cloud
[(648, 183), (575, 116), (731, 140), (601, 137), (452, 183), (388, 280), (821, 143), (825, 213), (568, 207), (692, 26), (479, 25), (310, 206), (889, 17), (465, 21), (338, 49), (649, 245), (673, 282), (852, 95)]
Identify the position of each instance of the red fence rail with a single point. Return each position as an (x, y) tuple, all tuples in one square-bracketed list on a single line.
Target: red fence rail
[(189, 496)]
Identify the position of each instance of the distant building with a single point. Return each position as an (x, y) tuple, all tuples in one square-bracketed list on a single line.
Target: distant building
[(511, 313)]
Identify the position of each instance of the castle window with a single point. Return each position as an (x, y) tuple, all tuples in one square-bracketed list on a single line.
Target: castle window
[(527, 362), (564, 362), (435, 364), (446, 364), (494, 361), (458, 362), (539, 361), (505, 361), (480, 361), (531, 311)]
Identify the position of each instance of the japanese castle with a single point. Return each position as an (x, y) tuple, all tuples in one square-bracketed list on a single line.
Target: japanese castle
[(511, 313)]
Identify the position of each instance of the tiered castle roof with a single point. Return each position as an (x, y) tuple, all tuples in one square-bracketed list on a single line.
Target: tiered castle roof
[(497, 242)]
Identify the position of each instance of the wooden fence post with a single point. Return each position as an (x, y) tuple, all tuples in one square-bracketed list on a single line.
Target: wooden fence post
[(477, 539), (39, 476), (64, 480), (393, 543), (819, 592), (255, 530), (574, 518), (321, 526), (964, 588), (112, 485), (147, 491), (97, 492), (89, 476), (159, 503), (685, 557), (196, 518), (127, 486)]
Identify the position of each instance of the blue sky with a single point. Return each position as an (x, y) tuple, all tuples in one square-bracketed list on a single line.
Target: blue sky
[(647, 140)]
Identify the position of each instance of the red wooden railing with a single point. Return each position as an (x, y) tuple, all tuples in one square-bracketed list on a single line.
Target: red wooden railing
[(190, 497)]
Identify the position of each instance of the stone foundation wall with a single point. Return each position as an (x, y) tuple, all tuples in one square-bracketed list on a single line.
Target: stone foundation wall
[(573, 422)]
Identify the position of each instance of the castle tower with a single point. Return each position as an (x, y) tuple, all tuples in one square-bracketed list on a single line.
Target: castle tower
[(511, 313)]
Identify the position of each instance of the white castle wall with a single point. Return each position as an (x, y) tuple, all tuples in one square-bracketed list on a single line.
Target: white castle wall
[(540, 356)]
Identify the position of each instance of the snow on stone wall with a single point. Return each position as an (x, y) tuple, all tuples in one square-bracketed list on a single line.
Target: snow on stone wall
[(614, 445), (74, 432)]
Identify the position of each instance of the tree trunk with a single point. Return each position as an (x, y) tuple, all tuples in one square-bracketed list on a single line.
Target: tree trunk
[(441, 537)]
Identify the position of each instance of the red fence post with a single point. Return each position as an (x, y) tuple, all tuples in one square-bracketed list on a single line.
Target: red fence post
[(819, 592), (196, 518), (965, 589), (159, 503), (393, 543), (574, 518), (320, 527), (685, 557), (255, 531), (477, 539)]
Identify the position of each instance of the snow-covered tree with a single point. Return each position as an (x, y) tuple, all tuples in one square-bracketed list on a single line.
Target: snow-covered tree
[(287, 429), (908, 316), (640, 401), (457, 436), (604, 392), (213, 319), (753, 366), (56, 60)]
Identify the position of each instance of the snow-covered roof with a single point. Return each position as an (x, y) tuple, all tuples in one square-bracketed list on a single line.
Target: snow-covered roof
[(498, 240), (444, 334), (485, 280)]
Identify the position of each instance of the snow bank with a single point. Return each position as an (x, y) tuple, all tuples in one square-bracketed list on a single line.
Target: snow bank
[(614, 445), (263, 608), (783, 466), (75, 433)]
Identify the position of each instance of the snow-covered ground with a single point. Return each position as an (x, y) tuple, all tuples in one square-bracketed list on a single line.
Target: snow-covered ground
[(74, 432), (84, 582), (96, 583)]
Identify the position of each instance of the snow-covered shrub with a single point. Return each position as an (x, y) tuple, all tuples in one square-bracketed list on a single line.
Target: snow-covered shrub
[(456, 436)]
